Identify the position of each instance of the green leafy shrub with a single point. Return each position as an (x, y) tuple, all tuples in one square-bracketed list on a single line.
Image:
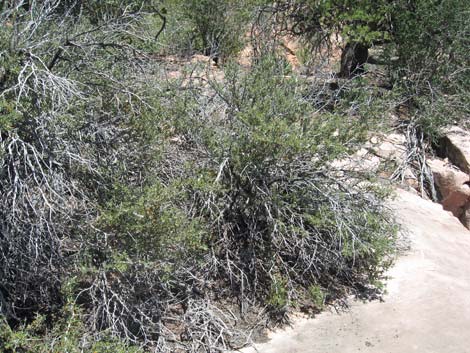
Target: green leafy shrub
[(213, 28), (430, 42), (360, 25), (278, 295), (132, 210), (281, 212), (152, 227), (220, 25), (317, 296)]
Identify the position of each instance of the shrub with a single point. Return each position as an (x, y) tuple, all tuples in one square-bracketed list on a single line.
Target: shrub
[(131, 211), (213, 28), (280, 211), (68, 110), (252, 212), (430, 42), (152, 227)]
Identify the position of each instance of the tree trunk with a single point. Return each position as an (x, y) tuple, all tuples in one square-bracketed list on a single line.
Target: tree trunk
[(353, 59)]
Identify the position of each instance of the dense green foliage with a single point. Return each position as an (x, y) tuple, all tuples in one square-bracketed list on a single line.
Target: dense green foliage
[(423, 43), (431, 43), (281, 202), (214, 28), (363, 21)]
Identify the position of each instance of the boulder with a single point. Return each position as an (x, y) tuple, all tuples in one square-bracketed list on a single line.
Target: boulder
[(455, 145), (447, 179), (453, 187), (458, 201)]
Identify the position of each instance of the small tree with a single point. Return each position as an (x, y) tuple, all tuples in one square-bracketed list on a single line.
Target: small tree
[(359, 23), (218, 26)]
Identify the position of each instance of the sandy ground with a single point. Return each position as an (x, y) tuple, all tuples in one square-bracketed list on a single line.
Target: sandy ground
[(426, 310)]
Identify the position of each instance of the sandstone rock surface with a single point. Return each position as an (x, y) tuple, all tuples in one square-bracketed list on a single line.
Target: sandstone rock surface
[(426, 310), (446, 178), (391, 146), (456, 146), (453, 186)]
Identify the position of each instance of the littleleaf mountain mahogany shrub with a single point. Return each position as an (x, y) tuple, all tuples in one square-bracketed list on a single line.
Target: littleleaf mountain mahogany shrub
[(283, 221), (135, 212)]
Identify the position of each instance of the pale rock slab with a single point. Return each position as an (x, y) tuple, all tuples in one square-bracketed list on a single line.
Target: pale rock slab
[(426, 309)]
